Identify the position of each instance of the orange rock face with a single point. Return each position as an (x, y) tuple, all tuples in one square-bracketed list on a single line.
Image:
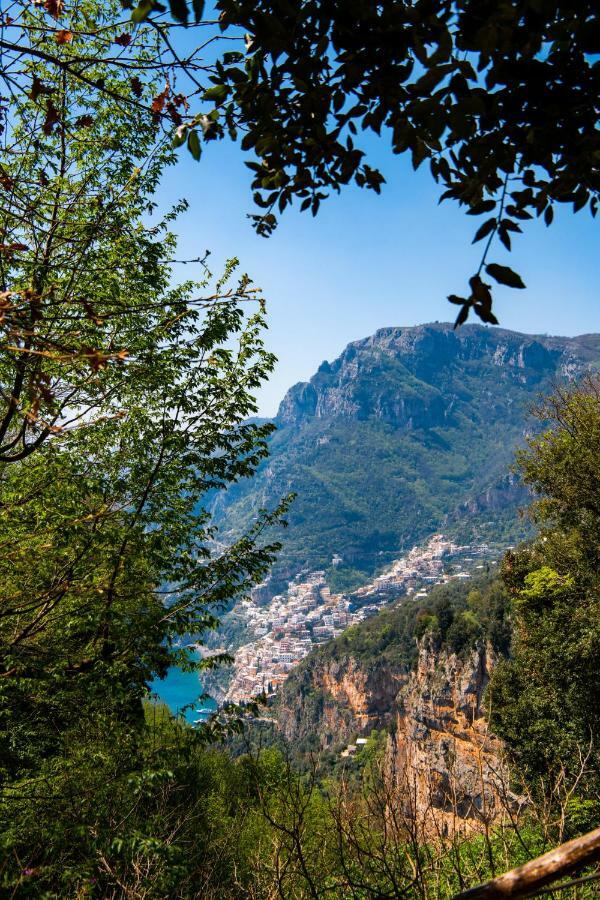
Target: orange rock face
[(334, 701), (443, 768), (444, 765)]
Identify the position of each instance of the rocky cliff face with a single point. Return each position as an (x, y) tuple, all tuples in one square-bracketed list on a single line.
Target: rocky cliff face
[(331, 701), (506, 492), (429, 355), (445, 765)]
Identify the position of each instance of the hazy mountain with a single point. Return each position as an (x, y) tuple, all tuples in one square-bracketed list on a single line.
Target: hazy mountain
[(408, 431)]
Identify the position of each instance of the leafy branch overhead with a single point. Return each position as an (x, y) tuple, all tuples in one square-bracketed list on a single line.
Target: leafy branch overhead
[(499, 98)]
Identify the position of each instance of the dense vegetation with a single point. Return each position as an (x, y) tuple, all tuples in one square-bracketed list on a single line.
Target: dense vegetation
[(539, 613), (545, 699), (124, 400), (192, 822)]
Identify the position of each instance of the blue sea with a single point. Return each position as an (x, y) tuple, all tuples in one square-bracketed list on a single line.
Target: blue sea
[(179, 689)]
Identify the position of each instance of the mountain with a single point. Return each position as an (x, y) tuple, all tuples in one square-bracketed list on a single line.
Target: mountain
[(408, 431)]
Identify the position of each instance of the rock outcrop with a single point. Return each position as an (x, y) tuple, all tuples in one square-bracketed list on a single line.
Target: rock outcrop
[(443, 769), (331, 701), (428, 355), (444, 763)]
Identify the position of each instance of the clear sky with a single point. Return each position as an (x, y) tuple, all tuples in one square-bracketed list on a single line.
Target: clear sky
[(369, 261)]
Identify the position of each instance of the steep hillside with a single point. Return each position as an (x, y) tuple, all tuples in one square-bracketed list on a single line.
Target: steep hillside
[(419, 672), (349, 685), (408, 431)]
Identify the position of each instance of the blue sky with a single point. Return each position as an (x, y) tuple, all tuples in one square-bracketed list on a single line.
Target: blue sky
[(369, 261)]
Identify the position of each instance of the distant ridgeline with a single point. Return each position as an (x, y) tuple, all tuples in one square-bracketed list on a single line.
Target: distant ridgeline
[(408, 432)]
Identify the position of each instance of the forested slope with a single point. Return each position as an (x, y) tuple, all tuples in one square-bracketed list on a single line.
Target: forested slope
[(408, 431)]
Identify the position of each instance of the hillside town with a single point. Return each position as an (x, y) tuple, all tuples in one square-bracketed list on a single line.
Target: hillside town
[(308, 614)]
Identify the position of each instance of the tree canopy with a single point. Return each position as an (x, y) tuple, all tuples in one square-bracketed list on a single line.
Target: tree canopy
[(125, 397), (545, 700), (499, 98)]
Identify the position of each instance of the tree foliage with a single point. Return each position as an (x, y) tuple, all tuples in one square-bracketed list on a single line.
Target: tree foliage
[(125, 404), (500, 98), (85, 286), (545, 700), (110, 559), (125, 398)]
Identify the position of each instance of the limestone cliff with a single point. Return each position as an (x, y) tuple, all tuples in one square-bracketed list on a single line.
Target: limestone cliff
[(446, 765), (329, 702), (419, 673)]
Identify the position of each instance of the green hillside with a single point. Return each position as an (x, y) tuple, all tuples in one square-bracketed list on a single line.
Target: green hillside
[(457, 614), (407, 432)]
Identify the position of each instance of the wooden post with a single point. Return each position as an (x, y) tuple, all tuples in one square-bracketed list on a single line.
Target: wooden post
[(537, 873)]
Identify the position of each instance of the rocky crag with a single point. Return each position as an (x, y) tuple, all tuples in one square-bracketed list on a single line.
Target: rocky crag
[(330, 702), (417, 674), (445, 765), (408, 432)]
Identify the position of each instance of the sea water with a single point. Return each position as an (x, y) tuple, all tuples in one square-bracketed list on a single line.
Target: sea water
[(180, 689)]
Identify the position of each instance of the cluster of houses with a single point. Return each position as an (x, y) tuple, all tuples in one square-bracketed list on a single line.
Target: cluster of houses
[(286, 630)]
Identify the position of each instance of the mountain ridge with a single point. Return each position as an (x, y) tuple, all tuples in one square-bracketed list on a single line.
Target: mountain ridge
[(383, 339), (406, 431)]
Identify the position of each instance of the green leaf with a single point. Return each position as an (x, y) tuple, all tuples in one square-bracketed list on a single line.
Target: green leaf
[(481, 291), (218, 93), (504, 237), (504, 275), (193, 143), (431, 79), (419, 153), (198, 7), (486, 315), (232, 56), (482, 207), (142, 11), (179, 138), (485, 229), (462, 316)]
